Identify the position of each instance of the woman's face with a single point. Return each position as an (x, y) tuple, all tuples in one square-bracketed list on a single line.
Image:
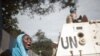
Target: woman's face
[(27, 41)]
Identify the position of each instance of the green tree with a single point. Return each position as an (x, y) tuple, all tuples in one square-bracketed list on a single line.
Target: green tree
[(12, 7), (9, 8), (43, 46)]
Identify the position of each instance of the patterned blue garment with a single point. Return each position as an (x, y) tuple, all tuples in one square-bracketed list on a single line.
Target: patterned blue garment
[(19, 49)]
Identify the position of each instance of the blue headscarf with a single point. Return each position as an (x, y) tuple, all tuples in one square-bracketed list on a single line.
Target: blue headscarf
[(19, 49)]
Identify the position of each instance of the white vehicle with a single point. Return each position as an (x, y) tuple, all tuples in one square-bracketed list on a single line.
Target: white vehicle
[(80, 39)]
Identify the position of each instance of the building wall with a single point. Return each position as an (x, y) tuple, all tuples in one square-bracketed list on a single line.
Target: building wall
[(6, 42)]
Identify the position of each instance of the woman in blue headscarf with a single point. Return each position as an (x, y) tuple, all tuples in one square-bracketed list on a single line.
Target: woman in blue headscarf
[(23, 43)]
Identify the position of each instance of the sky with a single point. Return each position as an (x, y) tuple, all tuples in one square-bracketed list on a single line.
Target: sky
[(52, 23)]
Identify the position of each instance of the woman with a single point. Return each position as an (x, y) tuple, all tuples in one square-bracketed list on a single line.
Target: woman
[(23, 43)]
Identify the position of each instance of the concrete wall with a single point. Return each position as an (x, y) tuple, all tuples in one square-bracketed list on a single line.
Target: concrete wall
[(7, 42)]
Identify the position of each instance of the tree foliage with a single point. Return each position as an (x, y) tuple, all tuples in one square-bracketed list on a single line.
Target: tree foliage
[(43, 44), (12, 7), (9, 8)]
